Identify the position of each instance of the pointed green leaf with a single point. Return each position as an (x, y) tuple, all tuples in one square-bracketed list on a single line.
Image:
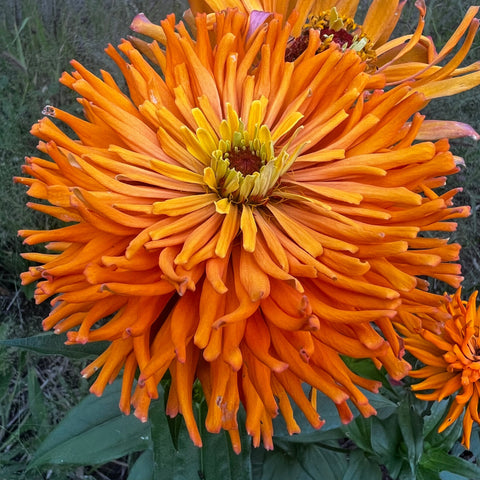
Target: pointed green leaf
[(93, 432), (219, 461), (447, 439), (38, 410), (385, 436), (411, 426), (360, 432), (178, 458), (434, 417), (51, 344), (299, 462), (451, 476), (322, 463), (168, 461), (438, 460), (359, 466), (142, 469), (279, 465)]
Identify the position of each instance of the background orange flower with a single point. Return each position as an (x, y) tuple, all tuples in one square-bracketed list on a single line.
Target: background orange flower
[(408, 57), (452, 362)]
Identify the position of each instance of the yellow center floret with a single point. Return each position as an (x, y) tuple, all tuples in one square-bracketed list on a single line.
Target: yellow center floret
[(238, 164), (245, 168)]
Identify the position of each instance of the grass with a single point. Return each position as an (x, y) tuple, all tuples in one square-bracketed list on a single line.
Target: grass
[(37, 40)]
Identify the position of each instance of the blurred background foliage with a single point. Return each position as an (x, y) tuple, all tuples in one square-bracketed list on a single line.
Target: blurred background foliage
[(37, 40)]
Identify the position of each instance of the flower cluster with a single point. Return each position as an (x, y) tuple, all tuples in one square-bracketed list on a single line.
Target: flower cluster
[(452, 362), (253, 209)]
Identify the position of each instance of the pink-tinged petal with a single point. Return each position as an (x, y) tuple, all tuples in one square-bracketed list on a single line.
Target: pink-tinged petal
[(257, 19), (437, 129), (141, 24)]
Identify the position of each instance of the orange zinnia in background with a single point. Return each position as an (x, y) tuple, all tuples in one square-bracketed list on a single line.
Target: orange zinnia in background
[(408, 57), (241, 220), (452, 362)]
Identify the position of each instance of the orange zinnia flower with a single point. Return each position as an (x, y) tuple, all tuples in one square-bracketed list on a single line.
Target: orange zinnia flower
[(409, 57), (452, 359), (240, 220)]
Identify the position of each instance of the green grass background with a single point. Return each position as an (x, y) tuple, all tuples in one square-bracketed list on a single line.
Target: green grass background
[(37, 40)]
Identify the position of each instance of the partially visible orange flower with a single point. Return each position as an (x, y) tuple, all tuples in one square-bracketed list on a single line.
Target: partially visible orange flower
[(240, 220), (409, 57), (452, 362)]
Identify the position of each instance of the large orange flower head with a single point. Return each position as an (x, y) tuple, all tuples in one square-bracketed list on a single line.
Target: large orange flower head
[(408, 57), (452, 362), (241, 220)]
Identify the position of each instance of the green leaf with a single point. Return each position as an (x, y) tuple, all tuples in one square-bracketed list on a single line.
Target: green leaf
[(359, 466), (38, 410), (451, 476), (322, 463), (170, 463), (360, 432), (398, 467), (178, 458), (411, 426), (438, 460), (384, 436), (142, 469), (379, 439), (366, 368), (435, 415), (51, 344), (447, 439), (385, 440), (299, 462), (278, 465), (383, 405), (219, 461), (93, 432), (424, 474)]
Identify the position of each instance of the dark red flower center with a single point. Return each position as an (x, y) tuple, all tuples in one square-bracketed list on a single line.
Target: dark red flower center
[(340, 37), (299, 45), (296, 47), (244, 161)]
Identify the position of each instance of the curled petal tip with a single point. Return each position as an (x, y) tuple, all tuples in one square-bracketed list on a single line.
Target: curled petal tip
[(141, 24), (49, 111), (420, 4), (319, 424), (257, 19), (437, 129), (139, 20), (237, 449), (143, 418)]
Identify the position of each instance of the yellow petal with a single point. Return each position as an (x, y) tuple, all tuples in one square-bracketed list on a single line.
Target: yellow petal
[(249, 228)]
